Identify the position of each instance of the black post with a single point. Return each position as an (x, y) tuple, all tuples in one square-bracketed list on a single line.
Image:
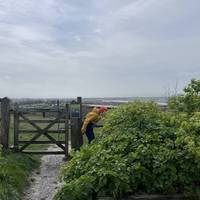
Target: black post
[(5, 122)]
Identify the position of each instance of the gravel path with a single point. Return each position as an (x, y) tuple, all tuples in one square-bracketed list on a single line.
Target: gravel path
[(45, 182)]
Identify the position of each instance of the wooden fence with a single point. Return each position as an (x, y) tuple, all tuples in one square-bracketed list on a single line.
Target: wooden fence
[(71, 130)]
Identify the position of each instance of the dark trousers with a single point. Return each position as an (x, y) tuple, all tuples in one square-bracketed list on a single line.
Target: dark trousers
[(90, 132)]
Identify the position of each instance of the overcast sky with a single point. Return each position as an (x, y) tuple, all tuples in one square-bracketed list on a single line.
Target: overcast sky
[(69, 48)]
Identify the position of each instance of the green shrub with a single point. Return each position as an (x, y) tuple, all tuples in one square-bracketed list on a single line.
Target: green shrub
[(140, 150), (189, 101), (14, 172)]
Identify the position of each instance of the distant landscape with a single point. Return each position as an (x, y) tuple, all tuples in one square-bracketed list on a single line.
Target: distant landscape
[(52, 102)]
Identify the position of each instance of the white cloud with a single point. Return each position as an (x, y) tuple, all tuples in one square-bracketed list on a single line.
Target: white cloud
[(77, 38), (97, 48)]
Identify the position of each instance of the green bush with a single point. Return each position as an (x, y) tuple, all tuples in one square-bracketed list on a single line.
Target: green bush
[(140, 150), (14, 172), (189, 101)]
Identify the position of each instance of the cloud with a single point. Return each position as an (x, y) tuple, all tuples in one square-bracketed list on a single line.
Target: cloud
[(58, 48)]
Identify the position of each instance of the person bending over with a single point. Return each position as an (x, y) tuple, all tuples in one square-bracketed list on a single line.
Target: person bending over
[(91, 119)]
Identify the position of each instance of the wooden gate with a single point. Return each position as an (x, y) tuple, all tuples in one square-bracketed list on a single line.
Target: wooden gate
[(41, 128)]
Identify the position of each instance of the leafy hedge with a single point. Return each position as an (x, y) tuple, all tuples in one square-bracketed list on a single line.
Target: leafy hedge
[(189, 100), (14, 172), (140, 150)]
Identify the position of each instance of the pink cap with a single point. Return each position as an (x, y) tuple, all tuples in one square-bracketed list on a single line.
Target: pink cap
[(103, 109)]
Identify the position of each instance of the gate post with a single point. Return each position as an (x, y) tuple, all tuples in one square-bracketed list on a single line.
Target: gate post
[(16, 128), (5, 122), (80, 122), (66, 131), (76, 135)]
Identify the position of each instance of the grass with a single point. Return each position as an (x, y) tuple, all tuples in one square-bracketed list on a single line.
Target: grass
[(14, 173)]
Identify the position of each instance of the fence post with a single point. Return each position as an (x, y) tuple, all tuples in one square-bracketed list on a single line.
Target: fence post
[(76, 136), (66, 131), (80, 136), (5, 122), (16, 128)]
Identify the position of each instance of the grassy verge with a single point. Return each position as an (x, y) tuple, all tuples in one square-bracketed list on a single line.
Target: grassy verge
[(14, 172)]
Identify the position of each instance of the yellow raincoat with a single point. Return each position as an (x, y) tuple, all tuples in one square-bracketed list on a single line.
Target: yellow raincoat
[(93, 116)]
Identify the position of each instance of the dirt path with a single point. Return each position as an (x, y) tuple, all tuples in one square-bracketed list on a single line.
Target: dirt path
[(45, 182)]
